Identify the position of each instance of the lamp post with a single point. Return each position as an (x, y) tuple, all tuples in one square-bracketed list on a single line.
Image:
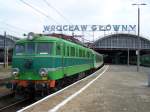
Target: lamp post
[(139, 44)]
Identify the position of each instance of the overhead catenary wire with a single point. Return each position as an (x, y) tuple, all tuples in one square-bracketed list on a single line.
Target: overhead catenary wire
[(8, 29), (39, 11), (57, 11), (46, 15), (18, 28), (13, 26)]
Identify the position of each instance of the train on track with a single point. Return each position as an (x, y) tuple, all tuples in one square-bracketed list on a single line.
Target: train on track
[(42, 64), (145, 60)]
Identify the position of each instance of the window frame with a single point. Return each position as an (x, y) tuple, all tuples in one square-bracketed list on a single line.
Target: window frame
[(60, 49), (22, 52), (35, 47), (50, 45)]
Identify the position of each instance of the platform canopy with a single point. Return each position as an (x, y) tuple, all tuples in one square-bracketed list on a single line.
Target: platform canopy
[(10, 41), (121, 41)]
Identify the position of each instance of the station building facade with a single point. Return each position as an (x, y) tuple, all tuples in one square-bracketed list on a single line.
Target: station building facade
[(121, 48), (7, 42)]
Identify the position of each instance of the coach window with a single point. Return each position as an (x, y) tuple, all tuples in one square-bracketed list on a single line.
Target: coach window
[(64, 50), (80, 53), (77, 52), (68, 51), (58, 49), (86, 54), (83, 53)]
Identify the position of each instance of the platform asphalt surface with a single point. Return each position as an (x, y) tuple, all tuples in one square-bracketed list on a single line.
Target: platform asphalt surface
[(119, 89)]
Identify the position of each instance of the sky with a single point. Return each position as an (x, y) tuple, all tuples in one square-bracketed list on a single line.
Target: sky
[(17, 18)]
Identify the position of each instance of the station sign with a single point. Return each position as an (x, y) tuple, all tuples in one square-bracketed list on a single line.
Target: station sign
[(51, 28)]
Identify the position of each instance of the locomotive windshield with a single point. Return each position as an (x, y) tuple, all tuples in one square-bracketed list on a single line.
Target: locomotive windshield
[(44, 48), (19, 49), (30, 48)]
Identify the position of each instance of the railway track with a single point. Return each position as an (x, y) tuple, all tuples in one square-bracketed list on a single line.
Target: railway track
[(8, 106), (5, 92), (4, 81), (9, 94), (12, 104), (7, 100)]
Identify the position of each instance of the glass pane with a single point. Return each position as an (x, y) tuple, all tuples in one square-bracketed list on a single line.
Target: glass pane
[(30, 48), (44, 48), (58, 49), (72, 51), (19, 49)]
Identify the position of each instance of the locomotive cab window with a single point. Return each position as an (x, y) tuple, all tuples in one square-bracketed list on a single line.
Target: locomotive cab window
[(19, 49), (44, 48), (30, 48)]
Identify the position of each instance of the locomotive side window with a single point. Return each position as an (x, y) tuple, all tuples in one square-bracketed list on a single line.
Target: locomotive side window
[(64, 50), (44, 48), (58, 49), (19, 49), (30, 48)]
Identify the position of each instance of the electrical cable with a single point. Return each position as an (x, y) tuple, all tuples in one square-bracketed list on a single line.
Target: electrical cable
[(58, 12), (39, 11)]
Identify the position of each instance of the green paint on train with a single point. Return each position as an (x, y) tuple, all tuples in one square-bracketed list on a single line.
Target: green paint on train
[(51, 58)]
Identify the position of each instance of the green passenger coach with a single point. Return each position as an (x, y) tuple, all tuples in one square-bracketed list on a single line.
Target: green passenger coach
[(45, 62)]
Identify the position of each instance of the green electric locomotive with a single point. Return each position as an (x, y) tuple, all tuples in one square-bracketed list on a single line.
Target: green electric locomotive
[(43, 62)]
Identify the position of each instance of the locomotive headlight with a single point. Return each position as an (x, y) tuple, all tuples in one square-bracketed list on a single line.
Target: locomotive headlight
[(15, 71), (43, 72)]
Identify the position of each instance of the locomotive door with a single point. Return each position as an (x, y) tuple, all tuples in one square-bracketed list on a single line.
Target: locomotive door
[(60, 57)]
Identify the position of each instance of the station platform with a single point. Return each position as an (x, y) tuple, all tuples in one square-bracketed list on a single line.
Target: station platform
[(114, 88)]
